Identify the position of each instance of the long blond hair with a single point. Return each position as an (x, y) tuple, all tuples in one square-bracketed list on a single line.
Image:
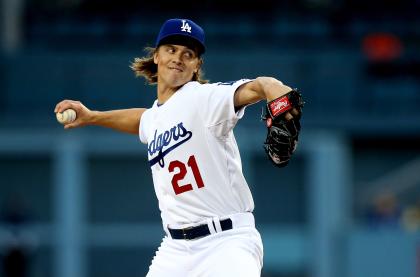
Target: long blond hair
[(145, 67)]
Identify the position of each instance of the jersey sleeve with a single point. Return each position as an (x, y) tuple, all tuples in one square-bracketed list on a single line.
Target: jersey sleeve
[(218, 106)]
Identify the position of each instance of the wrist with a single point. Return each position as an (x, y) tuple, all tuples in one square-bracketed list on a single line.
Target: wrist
[(95, 117), (277, 91)]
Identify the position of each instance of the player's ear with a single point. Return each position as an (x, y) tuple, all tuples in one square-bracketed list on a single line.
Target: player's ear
[(155, 57), (197, 68)]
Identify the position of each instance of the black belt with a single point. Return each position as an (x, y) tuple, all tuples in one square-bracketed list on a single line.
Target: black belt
[(199, 231)]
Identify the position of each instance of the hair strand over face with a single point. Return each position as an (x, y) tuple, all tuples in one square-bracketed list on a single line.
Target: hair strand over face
[(146, 67)]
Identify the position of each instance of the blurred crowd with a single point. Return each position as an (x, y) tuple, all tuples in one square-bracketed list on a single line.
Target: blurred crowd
[(386, 210)]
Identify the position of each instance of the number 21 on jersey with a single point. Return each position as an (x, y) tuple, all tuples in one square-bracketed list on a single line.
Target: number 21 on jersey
[(182, 171)]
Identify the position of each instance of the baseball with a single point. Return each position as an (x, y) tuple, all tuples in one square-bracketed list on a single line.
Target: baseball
[(67, 116)]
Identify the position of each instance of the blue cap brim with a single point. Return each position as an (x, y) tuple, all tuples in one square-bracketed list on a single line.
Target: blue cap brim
[(185, 40)]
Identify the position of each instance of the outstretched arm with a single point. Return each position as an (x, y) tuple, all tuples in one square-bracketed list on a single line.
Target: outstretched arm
[(126, 120)]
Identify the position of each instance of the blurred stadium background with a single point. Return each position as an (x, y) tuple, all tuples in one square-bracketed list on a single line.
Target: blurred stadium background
[(81, 203)]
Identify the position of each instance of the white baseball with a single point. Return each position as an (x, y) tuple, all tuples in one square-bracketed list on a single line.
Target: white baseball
[(67, 116)]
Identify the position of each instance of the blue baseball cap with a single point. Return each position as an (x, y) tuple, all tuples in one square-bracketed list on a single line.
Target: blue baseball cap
[(183, 32)]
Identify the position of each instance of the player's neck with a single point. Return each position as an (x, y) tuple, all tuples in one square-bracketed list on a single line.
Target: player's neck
[(165, 92)]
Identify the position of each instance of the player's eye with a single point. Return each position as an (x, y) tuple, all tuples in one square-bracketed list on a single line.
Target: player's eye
[(189, 54)]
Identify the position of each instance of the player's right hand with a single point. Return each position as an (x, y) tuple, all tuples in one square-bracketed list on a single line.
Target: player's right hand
[(83, 114)]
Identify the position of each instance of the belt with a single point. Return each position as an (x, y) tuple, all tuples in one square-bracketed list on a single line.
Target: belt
[(199, 231)]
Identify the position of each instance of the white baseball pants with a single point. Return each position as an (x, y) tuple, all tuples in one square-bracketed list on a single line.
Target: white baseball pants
[(235, 252)]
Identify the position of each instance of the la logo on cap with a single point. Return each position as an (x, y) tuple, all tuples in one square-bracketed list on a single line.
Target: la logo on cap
[(185, 26)]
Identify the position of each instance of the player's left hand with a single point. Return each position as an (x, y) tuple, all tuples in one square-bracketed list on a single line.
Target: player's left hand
[(282, 117)]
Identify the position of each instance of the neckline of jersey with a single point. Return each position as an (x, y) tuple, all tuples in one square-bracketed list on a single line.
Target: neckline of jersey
[(176, 93)]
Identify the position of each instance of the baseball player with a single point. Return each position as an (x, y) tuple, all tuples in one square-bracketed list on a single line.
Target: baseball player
[(204, 199)]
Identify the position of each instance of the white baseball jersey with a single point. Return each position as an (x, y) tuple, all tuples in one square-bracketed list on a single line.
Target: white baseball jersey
[(195, 161)]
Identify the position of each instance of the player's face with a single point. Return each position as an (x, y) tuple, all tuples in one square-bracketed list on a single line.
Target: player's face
[(176, 64)]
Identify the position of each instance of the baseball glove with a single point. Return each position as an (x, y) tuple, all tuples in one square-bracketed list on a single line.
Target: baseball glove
[(282, 134)]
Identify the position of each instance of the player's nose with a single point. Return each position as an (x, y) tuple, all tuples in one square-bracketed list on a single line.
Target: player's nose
[(177, 58)]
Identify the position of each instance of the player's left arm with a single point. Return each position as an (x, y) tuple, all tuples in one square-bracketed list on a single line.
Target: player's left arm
[(282, 115), (261, 88)]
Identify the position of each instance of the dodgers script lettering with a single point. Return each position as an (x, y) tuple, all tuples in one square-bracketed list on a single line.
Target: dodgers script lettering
[(161, 143)]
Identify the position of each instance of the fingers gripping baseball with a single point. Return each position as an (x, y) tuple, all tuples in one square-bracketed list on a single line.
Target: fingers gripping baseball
[(72, 114)]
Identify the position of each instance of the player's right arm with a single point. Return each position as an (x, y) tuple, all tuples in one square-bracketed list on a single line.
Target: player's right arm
[(125, 120)]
